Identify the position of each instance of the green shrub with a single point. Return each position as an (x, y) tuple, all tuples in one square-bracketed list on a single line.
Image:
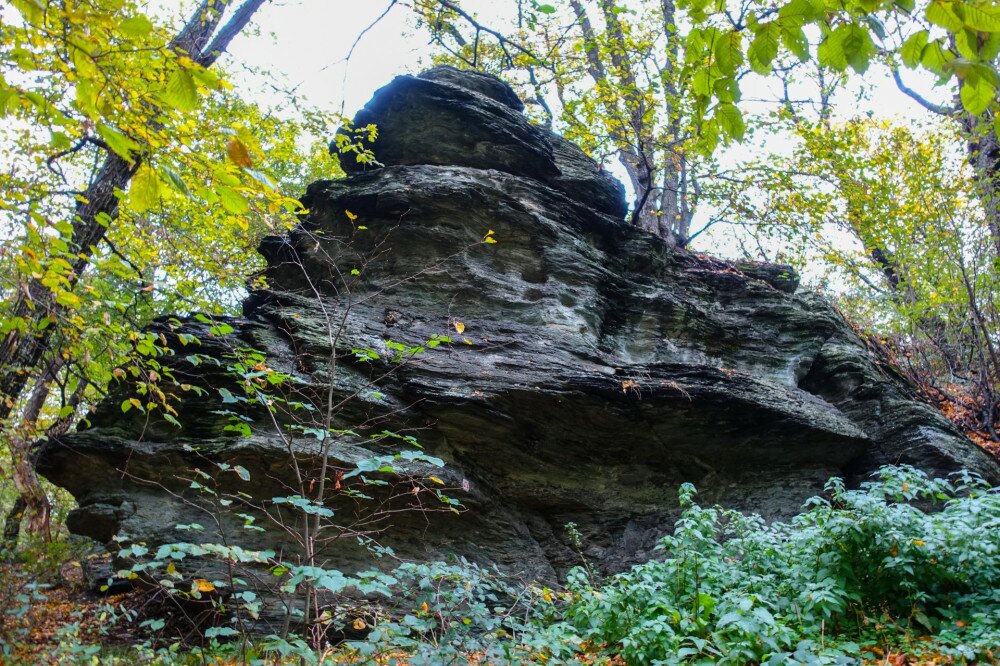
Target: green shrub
[(902, 557)]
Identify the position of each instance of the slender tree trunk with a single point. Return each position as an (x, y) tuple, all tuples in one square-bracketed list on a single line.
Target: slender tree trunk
[(631, 137), (38, 509), (984, 156), (12, 525)]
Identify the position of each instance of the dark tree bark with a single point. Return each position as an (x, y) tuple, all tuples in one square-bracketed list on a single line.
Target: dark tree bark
[(984, 156)]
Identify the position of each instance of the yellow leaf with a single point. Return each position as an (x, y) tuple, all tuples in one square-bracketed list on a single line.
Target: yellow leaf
[(359, 624), (181, 92), (144, 192), (238, 153), (203, 585), (69, 299), (918, 542), (459, 326), (350, 216), (171, 569), (424, 607), (436, 480)]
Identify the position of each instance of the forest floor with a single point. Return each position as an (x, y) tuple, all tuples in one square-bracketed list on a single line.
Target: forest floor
[(66, 620)]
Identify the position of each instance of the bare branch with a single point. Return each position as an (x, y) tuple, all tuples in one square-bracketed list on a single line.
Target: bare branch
[(920, 99)]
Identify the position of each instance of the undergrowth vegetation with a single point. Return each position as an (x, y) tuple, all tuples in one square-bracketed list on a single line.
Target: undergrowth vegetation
[(905, 565), (904, 562)]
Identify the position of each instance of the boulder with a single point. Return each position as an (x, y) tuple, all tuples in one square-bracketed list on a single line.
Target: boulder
[(452, 118), (576, 370)]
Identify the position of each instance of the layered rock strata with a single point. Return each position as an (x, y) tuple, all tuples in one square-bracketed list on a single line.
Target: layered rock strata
[(592, 369)]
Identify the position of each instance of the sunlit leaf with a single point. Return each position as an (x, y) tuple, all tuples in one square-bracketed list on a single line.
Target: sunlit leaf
[(238, 153)]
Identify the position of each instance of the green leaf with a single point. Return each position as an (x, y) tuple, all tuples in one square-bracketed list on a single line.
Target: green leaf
[(942, 13), (764, 49), (242, 472), (222, 328), (181, 92), (144, 191), (977, 94), (730, 121), (33, 10), (913, 48), (935, 58), (858, 47), (799, 12), (990, 48), (729, 52), (545, 9), (727, 89), (233, 201), (849, 44), (176, 182), (981, 17), (795, 41), (83, 62), (68, 299), (701, 82), (118, 142), (136, 26), (831, 52), (86, 97)]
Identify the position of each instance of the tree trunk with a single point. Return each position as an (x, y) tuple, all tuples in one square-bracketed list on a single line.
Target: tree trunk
[(37, 508), (12, 526), (984, 156), (20, 353)]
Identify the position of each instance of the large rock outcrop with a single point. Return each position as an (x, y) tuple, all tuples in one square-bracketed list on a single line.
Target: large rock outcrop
[(597, 368)]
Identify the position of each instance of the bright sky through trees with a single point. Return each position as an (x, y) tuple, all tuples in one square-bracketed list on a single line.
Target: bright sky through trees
[(307, 43), (311, 40)]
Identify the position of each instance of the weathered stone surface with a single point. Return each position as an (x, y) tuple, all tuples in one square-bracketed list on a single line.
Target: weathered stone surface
[(447, 117), (602, 368)]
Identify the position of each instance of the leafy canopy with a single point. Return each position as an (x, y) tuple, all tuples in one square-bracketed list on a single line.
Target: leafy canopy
[(956, 40)]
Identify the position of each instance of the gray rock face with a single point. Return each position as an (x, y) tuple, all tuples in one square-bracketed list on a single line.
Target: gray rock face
[(598, 369), (452, 118)]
